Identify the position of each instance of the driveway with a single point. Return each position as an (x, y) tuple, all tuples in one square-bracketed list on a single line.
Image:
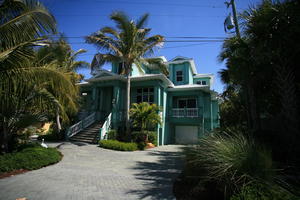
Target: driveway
[(88, 172)]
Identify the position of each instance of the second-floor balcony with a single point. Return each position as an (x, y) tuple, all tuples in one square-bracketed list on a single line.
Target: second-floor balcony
[(185, 112)]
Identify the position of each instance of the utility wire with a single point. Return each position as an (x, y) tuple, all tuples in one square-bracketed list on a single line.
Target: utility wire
[(174, 37), (160, 4)]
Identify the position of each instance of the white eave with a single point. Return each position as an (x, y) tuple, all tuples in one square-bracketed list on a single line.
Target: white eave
[(189, 87), (83, 83), (161, 77)]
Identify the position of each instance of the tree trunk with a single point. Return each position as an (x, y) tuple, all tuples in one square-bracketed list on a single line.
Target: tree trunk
[(128, 103), (58, 120), (4, 139), (255, 120)]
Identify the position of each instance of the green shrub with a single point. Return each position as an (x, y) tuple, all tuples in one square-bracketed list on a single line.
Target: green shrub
[(138, 136), (256, 191), (116, 145), (29, 157), (112, 134), (234, 160), (152, 137), (141, 145)]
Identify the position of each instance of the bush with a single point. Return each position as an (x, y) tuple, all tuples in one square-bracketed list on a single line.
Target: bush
[(256, 191), (234, 160), (116, 145), (112, 134), (29, 157), (141, 145), (138, 137)]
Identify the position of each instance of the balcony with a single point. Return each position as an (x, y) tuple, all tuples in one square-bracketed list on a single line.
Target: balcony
[(185, 112)]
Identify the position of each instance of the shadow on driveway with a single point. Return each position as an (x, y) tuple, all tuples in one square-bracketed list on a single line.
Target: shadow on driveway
[(158, 176)]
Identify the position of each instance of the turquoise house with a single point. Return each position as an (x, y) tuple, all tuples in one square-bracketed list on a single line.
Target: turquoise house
[(189, 106)]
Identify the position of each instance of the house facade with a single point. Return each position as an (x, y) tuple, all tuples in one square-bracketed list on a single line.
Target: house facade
[(189, 108)]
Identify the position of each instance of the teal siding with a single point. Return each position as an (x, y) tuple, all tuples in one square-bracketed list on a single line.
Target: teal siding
[(110, 96)]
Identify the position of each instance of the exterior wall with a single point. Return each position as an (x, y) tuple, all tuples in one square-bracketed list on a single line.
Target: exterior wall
[(187, 74), (110, 96)]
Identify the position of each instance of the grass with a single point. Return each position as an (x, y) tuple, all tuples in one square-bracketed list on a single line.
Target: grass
[(119, 146), (29, 157)]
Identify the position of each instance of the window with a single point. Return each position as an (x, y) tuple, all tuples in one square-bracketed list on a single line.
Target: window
[(179, 76), (145, 95), (201, 82), (120, 68), (187, 103)]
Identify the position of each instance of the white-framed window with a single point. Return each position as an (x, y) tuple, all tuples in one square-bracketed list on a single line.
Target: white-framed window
[(201, 82), (145, 95), (179, 76)]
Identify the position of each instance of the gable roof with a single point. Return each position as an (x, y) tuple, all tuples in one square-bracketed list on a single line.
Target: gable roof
[(103, 72), (181, 59)]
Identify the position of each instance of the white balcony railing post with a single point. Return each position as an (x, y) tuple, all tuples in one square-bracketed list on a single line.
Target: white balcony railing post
[(185, 112)]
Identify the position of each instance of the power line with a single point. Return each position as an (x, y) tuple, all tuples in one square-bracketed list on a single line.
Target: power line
[(158, 15), (174, 37), (181, 46), (160, 4)]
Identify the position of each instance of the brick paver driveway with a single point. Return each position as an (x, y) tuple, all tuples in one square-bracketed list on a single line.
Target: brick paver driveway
[(88, 172)]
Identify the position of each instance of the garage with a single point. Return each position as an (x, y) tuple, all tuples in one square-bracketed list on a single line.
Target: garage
[(186, 134)]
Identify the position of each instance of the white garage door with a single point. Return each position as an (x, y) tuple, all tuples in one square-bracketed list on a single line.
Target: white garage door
[(186, 134)]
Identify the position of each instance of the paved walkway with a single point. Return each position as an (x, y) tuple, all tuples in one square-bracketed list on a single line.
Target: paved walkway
[(88, 172)]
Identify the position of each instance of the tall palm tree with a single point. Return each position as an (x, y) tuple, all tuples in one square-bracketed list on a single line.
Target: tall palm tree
[(26, 88), (129, 43)]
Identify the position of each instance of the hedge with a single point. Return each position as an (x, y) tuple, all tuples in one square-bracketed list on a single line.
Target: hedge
[(116, 145), (29, 158)]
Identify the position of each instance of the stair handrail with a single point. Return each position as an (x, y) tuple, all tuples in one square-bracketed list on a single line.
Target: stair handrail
[(79, 126), (105, 128)]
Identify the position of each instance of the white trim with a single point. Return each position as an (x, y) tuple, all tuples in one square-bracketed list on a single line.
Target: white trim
[(161, 77)]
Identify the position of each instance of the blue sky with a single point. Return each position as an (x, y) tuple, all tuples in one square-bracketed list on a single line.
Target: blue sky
[(170, 18)]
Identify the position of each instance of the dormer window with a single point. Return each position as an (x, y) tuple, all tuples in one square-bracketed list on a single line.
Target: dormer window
[(179, 76), (201, 82)]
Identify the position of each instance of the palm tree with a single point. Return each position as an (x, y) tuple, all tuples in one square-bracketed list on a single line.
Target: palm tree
[(60, 54), (26, 89), (129, 43), (145, 116)]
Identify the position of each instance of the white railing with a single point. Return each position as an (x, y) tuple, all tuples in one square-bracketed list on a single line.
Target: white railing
[(105, 128), (178, 112), (76, 128), (185, 112), (191, 112)]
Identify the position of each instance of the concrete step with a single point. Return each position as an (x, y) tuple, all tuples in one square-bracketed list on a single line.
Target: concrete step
[(83, 140)]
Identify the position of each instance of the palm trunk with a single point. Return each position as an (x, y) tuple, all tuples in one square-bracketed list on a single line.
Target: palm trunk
[(128, 103), (58, 120), (4, 139)]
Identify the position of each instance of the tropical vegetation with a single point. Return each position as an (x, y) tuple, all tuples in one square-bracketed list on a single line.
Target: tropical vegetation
[(258, 157), (29, 157), (145, 117), (32, 89), (117, 145), (127, 44)]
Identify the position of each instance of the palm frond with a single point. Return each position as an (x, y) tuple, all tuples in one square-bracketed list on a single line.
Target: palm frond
[(30, 21)]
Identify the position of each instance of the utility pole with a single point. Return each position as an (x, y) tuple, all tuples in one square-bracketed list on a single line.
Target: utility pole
[(229, 22), (236, 24)]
